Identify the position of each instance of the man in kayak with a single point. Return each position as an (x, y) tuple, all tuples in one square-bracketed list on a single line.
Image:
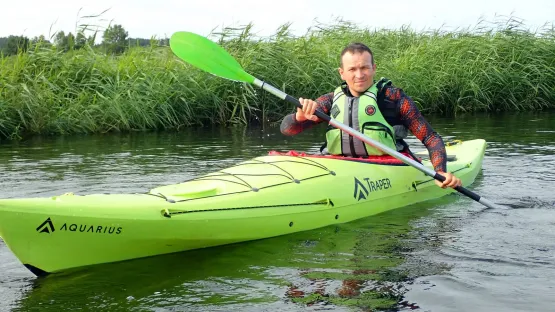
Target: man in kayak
[(377, 109)]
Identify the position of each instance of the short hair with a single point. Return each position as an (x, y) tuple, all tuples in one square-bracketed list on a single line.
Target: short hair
[(355, 47)]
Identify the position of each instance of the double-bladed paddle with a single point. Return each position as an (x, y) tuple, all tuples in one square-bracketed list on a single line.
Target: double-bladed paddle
[(205, 54)]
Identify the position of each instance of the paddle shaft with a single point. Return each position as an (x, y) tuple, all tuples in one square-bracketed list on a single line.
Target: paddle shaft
[(365, 139)]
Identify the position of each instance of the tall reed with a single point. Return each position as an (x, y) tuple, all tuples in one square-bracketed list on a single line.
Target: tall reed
[(44, 91)]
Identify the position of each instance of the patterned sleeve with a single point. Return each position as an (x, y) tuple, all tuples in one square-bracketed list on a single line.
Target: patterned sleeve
[(290, 126), (412, 118)]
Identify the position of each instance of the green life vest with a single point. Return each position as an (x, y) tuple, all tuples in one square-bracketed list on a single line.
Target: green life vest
[(362, 114)]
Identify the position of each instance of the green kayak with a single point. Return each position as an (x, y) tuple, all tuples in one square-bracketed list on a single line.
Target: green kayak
[(271, 195)]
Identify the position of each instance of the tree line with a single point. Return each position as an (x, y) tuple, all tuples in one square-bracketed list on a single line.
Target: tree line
[(115, 40)]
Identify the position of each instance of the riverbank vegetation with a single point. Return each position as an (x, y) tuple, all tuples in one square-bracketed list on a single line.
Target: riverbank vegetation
[(47, 90)]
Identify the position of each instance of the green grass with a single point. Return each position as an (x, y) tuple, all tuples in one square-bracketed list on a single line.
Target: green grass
[(43, 91)]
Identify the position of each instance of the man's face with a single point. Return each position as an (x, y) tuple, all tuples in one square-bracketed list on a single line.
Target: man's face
[(358, 71)]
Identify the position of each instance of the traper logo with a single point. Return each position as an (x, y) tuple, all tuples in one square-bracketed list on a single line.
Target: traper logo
[(46, 227), (362, 190)]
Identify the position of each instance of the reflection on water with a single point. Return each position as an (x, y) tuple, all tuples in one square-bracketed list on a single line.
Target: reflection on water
[(449, 254)]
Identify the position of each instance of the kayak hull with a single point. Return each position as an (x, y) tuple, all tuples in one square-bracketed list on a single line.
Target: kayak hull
[(264, 197)]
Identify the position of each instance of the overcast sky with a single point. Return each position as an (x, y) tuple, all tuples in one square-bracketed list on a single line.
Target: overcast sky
[(142, 18)]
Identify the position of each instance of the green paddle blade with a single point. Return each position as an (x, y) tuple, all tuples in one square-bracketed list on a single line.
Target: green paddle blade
[(204, 54)]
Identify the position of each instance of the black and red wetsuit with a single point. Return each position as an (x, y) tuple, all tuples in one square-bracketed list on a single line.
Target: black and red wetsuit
[(408, 115)]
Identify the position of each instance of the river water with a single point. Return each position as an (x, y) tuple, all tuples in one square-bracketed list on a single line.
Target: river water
[(448, 254)]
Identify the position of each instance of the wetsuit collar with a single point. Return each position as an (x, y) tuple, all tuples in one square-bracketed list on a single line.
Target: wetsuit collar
[(345, 89)]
